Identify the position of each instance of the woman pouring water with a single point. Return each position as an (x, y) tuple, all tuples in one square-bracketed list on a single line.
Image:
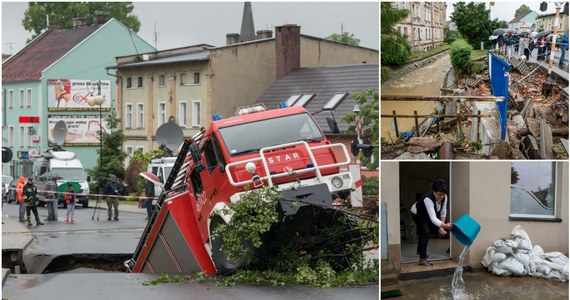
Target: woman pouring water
[(430, 210)]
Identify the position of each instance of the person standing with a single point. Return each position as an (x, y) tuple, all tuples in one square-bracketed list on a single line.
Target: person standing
[(30, 198), (112, 190), (50, 196), (428, 211), (563, 49), (20, 197), (525, 41), (149, 194), (70, 201)]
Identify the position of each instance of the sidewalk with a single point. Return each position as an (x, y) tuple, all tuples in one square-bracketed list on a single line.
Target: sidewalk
[(15, 240), (544, 63)]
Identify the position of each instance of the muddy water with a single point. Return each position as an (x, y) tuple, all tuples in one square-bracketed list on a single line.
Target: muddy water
[(425, 81)]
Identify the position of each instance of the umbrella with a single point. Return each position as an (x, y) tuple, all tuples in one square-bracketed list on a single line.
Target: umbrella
[(50, 174), (542, 33), (151, 177), (64, 186), (499, 31)]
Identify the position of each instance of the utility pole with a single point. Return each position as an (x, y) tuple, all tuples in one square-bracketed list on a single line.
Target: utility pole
[(554, 36)]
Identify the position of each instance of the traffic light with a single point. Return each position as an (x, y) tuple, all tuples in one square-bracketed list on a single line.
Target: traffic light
[(6, 154), (366, 148), (543, 6), (354, 147)]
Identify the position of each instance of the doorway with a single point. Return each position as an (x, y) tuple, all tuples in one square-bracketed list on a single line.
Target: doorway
[(416, 178)]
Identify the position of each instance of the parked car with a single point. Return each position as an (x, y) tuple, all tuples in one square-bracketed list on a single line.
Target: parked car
[(12, 191), (525, 202), (6, 179)]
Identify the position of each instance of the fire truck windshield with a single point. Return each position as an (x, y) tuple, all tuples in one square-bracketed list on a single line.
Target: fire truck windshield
[(250, 137)]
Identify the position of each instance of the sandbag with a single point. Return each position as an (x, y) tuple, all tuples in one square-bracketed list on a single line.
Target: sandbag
[(512, 265)]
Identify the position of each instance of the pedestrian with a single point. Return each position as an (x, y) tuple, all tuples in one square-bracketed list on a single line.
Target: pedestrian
[(526, 42), (50, 195), (516, 41), (30, 198), (149, 194), (112, 190), (541, 46), (509, 43), (20, 197), (501, 41), (563, 49), (70, 199), (428, 211)]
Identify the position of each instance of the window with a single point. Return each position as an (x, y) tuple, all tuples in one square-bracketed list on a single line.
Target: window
[(29, 98), (334, 101), (140, 115), (533, 190), (162, 113), (196, 113), (183, 79), (129, 82), (182, 111), (129, 155), (22, 98), (304, 100), (11, 99), (406, 31), (139, 82), (197, 78), (29, 136), (292, 100), (141, 149), (11, 137), (129, 115), (22, 137), (161, 81)]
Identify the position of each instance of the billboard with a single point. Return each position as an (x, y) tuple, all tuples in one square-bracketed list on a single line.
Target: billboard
[(81, 130), (71, 94)]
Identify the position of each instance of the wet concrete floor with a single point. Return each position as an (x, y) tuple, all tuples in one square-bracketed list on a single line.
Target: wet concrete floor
[(482, 285)]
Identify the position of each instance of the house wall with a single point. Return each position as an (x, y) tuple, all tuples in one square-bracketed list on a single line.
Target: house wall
[(546, 22), (482, 190), (423, 32)]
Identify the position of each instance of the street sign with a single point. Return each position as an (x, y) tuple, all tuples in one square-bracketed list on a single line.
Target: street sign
[(29, 119), (22, 154)]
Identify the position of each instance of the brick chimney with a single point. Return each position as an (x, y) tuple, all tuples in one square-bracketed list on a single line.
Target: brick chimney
[(232, 38), (79, 22), (287, 49), (264, 34), (101, 18)]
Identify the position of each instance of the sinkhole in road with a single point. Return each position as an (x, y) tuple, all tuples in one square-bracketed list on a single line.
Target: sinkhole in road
[(103, 262)]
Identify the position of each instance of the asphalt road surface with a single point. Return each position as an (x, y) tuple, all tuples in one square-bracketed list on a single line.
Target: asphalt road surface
[(88, 237)]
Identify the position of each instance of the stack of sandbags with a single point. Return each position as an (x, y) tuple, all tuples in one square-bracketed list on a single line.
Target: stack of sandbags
[(515, 256)]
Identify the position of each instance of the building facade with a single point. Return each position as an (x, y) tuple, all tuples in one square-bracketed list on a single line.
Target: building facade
[(191, 84), (52, 84), (524, 22), (424, 24), (485, 191), (546, 22)]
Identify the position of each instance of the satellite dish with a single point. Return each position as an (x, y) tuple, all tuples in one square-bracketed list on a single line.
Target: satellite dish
[(170, 136), (59, 132)]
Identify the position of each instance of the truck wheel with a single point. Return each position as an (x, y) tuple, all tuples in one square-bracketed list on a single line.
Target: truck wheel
[(221, 260)]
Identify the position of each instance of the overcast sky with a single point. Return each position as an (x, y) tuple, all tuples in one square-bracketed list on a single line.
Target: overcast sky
[(180, 24), (505, 10)]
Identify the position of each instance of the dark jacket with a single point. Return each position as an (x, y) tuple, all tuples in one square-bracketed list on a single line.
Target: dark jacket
[(112, 187), (149, 189), (30, 194), (422, 210)]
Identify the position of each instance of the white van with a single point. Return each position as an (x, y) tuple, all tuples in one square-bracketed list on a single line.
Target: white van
[(161, 167), (69, 168)]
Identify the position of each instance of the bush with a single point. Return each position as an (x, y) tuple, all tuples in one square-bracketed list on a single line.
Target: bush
[(478, 67), (395, 50), (370, 185), (385, 73), (451, 35), (460, 56)]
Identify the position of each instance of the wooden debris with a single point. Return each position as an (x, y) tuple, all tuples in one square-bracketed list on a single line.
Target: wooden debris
[(423, 144)]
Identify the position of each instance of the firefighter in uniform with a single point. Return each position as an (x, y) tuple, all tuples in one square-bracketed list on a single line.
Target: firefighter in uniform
[(30, 198)]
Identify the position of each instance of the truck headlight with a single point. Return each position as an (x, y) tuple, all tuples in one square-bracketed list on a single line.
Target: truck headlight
[(337, 182)]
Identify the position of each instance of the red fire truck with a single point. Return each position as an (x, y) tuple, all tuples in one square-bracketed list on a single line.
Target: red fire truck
[(282, 148)]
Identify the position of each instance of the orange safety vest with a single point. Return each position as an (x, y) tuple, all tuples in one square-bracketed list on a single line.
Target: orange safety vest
[(20, 189)]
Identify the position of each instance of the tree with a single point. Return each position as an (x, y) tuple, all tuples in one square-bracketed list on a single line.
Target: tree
[(63, 13), (345, 37), (472, 21), (395, 48), (524, 9), (368, 101)]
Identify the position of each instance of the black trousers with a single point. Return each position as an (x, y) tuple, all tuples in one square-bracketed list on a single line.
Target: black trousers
[(35, 211), (423, 230)]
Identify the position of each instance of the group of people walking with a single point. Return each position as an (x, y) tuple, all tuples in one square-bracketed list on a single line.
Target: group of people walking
[(523, 44)]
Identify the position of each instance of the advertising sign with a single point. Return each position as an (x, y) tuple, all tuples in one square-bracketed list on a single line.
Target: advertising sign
[(71, 94), (81, 130)]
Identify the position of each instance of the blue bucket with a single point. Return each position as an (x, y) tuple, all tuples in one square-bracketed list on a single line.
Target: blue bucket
[(466, 229)]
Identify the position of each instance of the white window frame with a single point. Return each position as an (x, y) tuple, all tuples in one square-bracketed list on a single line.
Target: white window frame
[(29, 136), (129, 115), (22, 137), (11, 99), (141, 149), (161, 113), (183, 113), (196, 113), (11, 136), (140, 115), (22, 98), (29, 98)]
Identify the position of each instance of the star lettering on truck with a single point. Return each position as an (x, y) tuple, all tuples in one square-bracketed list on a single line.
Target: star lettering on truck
[(285, 157)]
